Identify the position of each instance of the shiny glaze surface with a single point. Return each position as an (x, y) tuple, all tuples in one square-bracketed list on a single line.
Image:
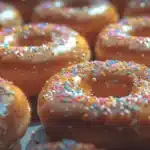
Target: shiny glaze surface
[(84, 17), (73, 9), (31, 53), (70, 93), (14, 114), (39, 43), (9, 15), (126, 40), (70, 107)]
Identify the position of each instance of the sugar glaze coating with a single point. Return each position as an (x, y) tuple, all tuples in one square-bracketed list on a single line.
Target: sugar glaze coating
[(83, 16), (68, 99), (33, 52), (127, 40), (14, 114), (9, 15)]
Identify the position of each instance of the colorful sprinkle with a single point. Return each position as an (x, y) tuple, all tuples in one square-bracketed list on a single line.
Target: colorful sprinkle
[(67, 90)]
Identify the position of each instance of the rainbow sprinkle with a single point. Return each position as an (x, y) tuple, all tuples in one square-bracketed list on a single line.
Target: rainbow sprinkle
[(66, 88)]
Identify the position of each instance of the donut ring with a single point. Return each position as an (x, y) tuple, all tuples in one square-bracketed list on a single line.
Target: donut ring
[(14, 114), (73, 98), (34, 52), (138, 8), (84, 16), (9, 15), (127, 40)]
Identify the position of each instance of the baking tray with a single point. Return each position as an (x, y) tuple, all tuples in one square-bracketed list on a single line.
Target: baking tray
[(35, 135)]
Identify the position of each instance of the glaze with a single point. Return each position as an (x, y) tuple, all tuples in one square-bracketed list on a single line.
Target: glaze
[(98, 102), (33, 52), (81, 16), (14, 114), (9, 15), (62, 40), (126, 40)]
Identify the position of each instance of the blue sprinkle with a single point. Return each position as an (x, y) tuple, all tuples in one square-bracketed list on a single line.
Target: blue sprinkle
[(3, 109), (6, 45), (74, 71), (8, 30), (118, 99), (111, 62), (41, 25), (68, 143)]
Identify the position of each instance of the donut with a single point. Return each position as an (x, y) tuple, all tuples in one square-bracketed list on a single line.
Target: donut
[(83, 16), (31, 53), (137, 8), (127, 40), (64, 144), (105, 103), (9, 15), (14, 114)]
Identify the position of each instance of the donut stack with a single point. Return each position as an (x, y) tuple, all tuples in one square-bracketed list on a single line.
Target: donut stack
[(86, 63)]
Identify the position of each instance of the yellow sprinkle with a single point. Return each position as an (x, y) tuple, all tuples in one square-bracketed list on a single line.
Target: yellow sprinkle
[(103, 73), (92, 101), (111, 98)]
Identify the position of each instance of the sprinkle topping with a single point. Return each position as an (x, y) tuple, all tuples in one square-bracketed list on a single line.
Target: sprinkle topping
[(67, 10), (119, 34), (62, 41), (65, 144), (66, 88), (6, 98)]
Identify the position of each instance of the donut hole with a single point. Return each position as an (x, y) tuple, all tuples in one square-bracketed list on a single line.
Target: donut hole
[(105, 86), (33, 40), (78, 3), (141, 32)]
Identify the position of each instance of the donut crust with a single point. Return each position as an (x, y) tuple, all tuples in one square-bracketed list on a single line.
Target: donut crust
[(30, 54), (68, 107), (88, 19)]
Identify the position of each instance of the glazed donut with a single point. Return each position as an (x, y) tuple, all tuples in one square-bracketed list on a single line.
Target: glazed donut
[(9, 16), (138, 8), (14, 114), (126, 40), (84, 16), (65, 144), (104, 103), (30, 54)]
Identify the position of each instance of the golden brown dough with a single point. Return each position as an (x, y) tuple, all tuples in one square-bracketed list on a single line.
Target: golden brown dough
[(127, 40), (87, 17), (9, 15), (30, 54), (14, 114), (25, 7), (103, 103)]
